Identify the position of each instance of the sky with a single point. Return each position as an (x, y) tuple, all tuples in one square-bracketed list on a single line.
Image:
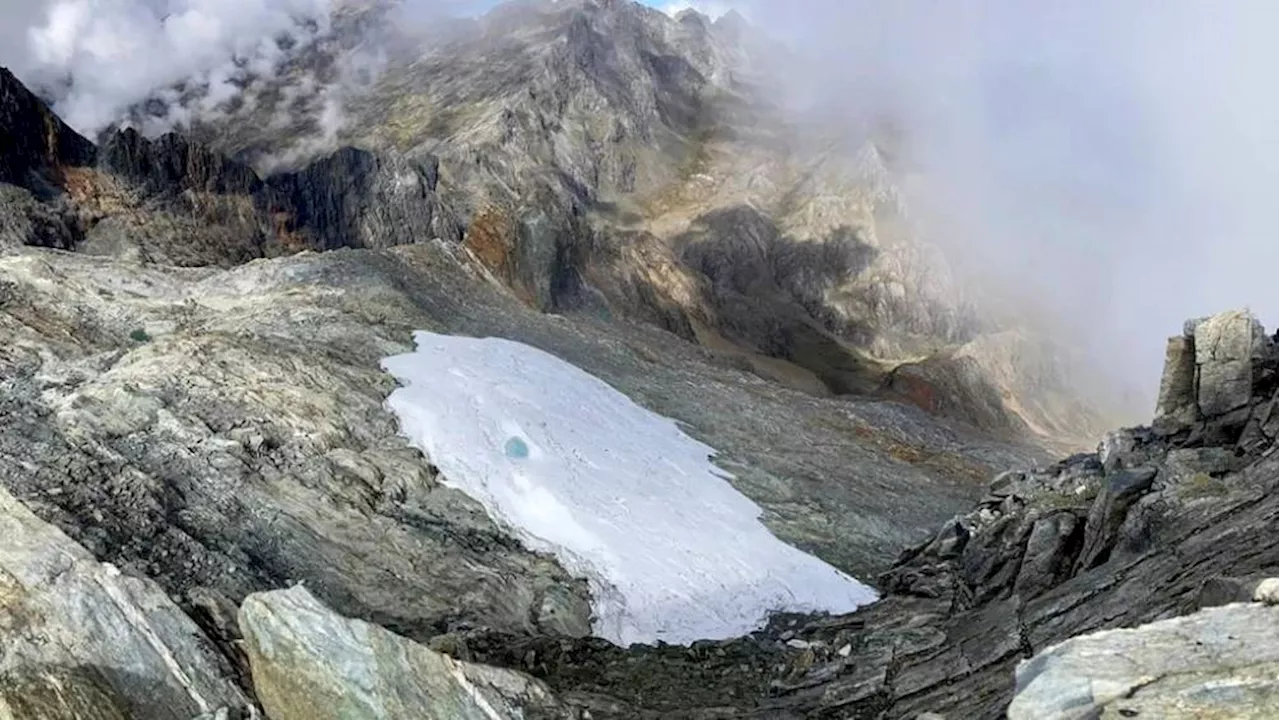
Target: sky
[(1112, 162)]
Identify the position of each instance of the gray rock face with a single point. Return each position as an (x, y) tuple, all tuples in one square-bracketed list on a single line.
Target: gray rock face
[(1177, 404), (351, 198), (81, 640), (1225, 347), (173, 200), (311, 664), (26, 221), (35, 144), (1220, 662), (354, 198), (1109, 511), (171, 164), (1116, 445), (1045, 562), (1213, 371)]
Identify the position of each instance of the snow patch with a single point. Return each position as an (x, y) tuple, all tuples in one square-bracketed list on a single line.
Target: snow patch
[(619, 494)]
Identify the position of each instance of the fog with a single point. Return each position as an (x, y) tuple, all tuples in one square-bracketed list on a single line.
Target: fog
[(1110, 165), (1113, 165), (98, 57)]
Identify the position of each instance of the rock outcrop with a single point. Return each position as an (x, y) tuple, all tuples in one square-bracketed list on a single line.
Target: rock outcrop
[(354, 198), (35, 144), (173, 200), (172, 165), (82, 641), (311, 664), (1216, 663), (1215, 371)]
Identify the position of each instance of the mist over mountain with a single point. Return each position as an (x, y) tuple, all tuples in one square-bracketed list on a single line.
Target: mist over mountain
[(1076, 186), (604, 158), (1110, 157), (1028, 158)]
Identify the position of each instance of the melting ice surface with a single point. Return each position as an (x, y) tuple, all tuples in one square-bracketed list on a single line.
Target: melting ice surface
[(620, 495)]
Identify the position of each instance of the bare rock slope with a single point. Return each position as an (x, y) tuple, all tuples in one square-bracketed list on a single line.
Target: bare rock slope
[(604, 157), (84, 641)]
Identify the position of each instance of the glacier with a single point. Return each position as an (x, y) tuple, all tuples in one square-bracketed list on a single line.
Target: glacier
[(619, 494)]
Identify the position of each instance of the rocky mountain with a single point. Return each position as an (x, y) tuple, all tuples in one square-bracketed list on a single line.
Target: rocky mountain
[(193, 419), (600, 157)]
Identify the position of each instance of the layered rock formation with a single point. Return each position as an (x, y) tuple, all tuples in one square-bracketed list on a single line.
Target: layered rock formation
[(174, 201), (84, 642)]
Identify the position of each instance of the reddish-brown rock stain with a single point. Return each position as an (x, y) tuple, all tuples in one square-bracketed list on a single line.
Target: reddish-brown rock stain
[(491, 238), (917, 391)]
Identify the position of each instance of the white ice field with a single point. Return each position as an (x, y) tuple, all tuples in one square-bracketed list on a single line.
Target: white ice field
[(619, 494)]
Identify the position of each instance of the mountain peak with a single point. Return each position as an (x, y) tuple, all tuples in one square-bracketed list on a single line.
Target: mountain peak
[(731, 22), (35, 144)]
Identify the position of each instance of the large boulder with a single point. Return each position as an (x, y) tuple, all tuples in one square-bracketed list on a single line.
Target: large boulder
[(82, 641), (309, 663), (1226, 346), (1214, 372), (1220, 662)]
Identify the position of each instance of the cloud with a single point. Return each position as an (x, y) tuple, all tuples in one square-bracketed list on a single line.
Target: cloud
[(99, 57), (1114, 163)]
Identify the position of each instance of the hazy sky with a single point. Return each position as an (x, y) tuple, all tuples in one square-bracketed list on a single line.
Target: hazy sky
[(1117, 161)]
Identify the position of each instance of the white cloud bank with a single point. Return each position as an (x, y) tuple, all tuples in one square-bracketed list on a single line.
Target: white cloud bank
[(621, 496), (1115, 162), (99, 57)]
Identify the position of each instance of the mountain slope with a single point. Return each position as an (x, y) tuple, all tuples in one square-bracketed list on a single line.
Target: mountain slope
[(602, 157)]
